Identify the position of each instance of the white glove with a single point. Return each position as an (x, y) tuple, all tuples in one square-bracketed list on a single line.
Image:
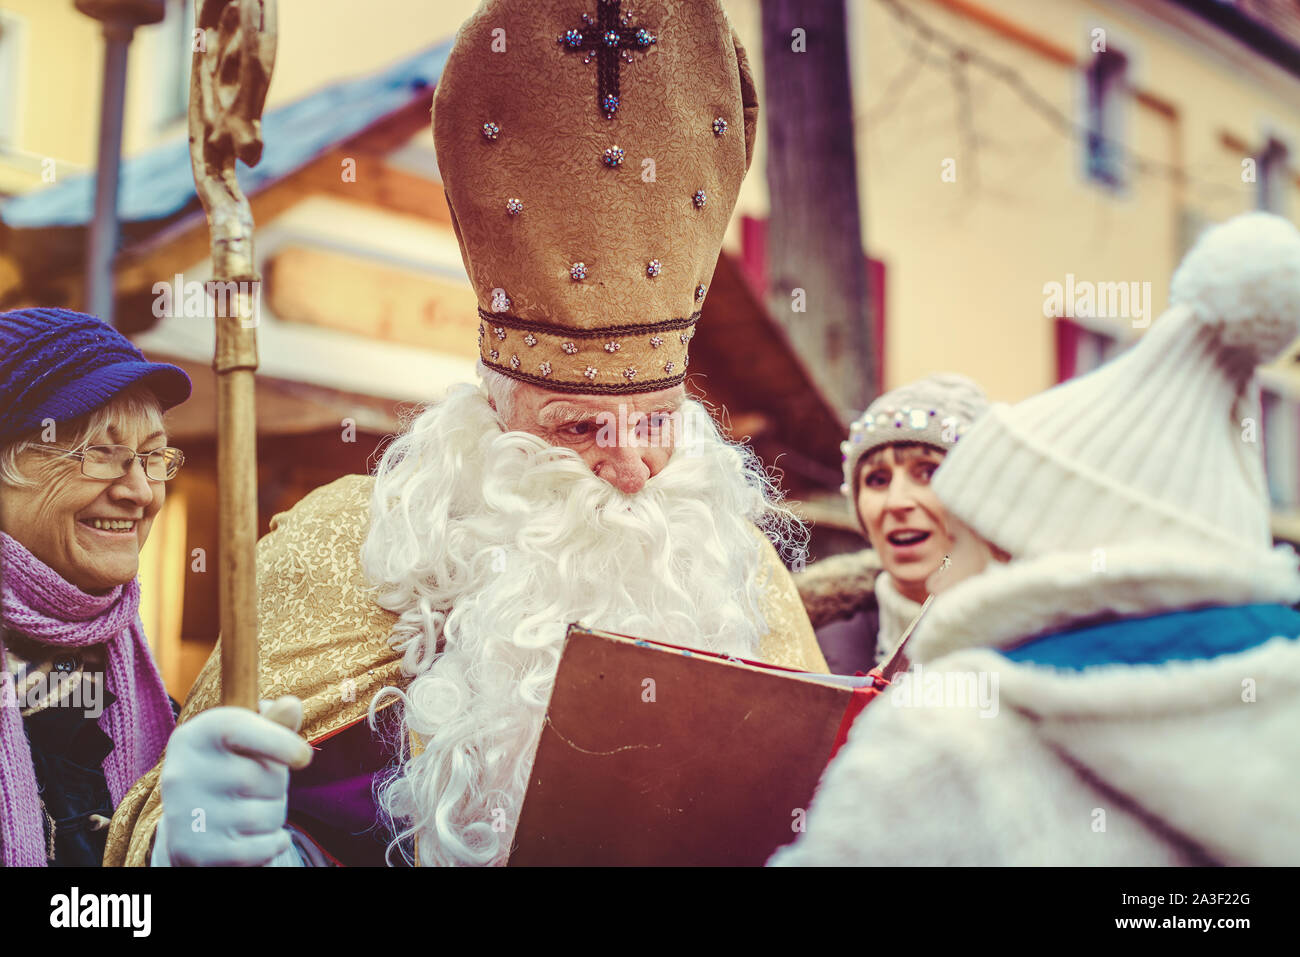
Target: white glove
[(225, 787)]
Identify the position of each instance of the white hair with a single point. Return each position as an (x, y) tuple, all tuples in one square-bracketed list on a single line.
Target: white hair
[(488, 543), (135, 403), (501, 390)]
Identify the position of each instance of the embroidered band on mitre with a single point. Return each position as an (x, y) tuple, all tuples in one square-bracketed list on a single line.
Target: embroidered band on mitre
[(591, 162)]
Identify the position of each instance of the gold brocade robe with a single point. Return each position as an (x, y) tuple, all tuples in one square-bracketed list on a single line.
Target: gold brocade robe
[(323, 639)]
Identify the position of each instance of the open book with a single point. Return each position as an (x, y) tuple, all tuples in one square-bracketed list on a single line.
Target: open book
[(653, 754)]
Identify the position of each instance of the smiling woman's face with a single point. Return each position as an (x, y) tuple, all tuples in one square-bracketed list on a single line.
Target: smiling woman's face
[(88, 530), (901, 514)]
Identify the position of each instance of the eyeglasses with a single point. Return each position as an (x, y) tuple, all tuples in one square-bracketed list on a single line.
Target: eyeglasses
[(114, 461)]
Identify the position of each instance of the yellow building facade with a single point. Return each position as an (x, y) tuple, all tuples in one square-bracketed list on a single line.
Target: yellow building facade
[(976, 204)]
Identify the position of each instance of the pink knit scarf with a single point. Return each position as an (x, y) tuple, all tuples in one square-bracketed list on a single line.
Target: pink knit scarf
[(38, 604)]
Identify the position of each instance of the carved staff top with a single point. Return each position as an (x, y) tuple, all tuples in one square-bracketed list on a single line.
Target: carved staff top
[(234, 54)]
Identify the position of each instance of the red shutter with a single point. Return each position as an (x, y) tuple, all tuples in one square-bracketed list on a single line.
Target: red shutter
[(1067, 348)]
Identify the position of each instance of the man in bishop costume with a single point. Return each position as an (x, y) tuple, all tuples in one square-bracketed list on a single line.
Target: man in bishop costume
[(591, 164)]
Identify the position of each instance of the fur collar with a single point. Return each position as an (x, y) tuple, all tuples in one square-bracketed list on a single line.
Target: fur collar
[(1007, 604), (1207, 746), (837, 588)]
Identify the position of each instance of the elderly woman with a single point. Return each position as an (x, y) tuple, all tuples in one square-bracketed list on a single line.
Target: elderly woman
[(83, 465), (1126, 690), (861, 603)]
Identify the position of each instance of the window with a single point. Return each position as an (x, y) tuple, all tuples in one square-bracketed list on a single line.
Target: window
[(11, 35), (1107, 94), (1083, 345), (1271, 182)]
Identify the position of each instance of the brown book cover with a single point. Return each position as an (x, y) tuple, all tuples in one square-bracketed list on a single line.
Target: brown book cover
[(658, 755)]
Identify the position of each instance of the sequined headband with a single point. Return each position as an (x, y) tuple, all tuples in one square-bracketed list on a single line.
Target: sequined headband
[(890, 426)]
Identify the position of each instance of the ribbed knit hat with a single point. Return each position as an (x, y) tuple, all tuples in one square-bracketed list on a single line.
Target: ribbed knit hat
[(1160, 445), (59, 364), (937, 410)]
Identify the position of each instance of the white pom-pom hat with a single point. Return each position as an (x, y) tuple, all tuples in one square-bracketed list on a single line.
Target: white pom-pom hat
[(1160, 445)]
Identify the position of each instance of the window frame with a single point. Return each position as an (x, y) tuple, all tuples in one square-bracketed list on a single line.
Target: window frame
[(1279, 434), (1106, 97), (1273, 176)]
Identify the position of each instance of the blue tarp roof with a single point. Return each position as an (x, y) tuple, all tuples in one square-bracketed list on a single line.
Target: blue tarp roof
[(157, 183)]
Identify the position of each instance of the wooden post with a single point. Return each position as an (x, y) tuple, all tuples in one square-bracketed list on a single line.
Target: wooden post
[(234, 54), (814, 238), (120, 18)]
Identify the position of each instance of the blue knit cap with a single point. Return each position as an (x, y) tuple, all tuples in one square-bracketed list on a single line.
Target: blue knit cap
[(59, 364)]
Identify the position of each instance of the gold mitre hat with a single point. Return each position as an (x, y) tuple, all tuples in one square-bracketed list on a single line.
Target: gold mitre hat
[(591, 161)]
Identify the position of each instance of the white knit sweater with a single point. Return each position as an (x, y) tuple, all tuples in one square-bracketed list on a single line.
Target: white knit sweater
[(895, 612)]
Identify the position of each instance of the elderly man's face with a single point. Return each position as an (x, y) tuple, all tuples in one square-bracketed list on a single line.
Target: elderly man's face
[(623, 439)]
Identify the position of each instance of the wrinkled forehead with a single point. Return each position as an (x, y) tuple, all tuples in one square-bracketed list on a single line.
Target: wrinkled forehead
[(546, 404), (130, 420), (133, 432)]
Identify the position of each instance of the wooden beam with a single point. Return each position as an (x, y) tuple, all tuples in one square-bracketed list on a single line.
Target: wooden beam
[(185, 241), (1010, 30), (376, 300), (378, 184)]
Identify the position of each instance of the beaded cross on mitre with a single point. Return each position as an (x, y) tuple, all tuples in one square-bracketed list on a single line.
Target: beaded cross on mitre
[(610, 40)]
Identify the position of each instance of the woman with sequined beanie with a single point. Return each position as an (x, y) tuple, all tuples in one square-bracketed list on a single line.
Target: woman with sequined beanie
[(892, 451)]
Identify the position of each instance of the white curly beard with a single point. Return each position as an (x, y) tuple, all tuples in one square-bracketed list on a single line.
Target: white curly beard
[(494, 542)]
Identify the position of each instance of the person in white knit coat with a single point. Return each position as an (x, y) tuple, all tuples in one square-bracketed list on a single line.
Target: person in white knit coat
[(1126, 689)]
